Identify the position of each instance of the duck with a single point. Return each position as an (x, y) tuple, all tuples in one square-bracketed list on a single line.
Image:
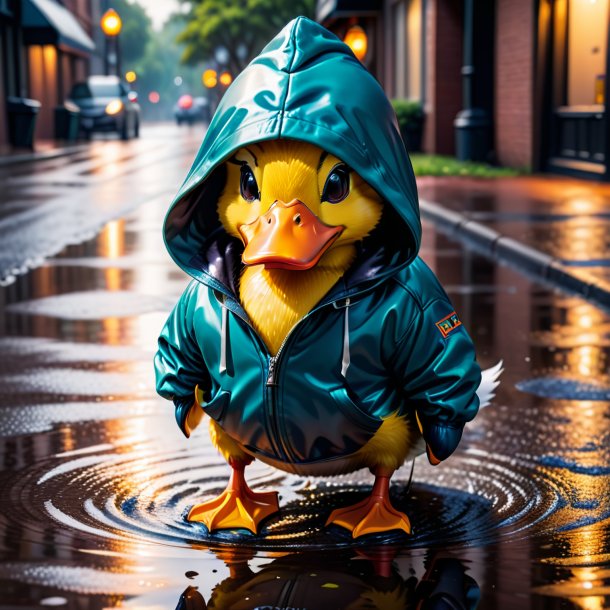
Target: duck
[(312, 335)]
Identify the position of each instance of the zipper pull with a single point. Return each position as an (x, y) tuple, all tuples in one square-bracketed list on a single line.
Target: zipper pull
[(271, 375)]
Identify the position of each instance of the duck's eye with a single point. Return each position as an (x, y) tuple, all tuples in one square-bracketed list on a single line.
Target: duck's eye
[(247, 185), (336, 188)]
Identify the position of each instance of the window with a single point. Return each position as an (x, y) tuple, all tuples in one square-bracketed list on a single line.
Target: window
[(408, 37), (587, 46)]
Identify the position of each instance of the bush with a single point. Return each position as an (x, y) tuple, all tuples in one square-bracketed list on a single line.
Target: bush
[(409, 113)]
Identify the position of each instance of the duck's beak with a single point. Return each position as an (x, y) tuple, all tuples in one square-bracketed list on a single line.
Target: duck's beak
[(287, 236)]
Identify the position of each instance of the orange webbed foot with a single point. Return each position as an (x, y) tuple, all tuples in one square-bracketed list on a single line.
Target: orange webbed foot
[(372, 515), (236, 507)]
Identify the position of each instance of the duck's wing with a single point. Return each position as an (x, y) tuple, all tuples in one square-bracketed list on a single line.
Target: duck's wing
[(490, 380)]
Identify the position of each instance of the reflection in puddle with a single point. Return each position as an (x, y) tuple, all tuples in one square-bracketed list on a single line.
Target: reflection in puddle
[(369, 580)]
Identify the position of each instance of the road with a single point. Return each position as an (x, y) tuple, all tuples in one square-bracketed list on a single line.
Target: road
[(96, 476)]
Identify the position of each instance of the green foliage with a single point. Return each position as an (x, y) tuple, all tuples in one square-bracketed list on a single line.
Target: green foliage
[(135, 33), (234, 23), (160, 65), (409, 113), (437, 165)]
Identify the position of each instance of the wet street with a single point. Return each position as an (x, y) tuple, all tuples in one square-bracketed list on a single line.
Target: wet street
[(97, 477)]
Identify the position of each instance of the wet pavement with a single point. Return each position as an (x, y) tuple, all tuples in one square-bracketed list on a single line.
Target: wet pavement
[(97, 477), (563, 219)]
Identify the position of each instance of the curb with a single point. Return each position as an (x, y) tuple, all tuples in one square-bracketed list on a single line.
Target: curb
[(492, 244), (56, 153)]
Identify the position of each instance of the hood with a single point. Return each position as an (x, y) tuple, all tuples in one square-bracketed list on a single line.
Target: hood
[(305, 85)]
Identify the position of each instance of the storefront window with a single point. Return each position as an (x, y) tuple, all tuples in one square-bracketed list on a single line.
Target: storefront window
[(587, 48), (407, 24), (398, 21), (414, 49)]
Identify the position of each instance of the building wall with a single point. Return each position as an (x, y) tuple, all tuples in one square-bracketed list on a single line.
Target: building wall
[(514, 81), (443, 98), (43, 86)]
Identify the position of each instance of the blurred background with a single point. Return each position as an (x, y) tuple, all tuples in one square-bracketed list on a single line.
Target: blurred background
[(518, 83)]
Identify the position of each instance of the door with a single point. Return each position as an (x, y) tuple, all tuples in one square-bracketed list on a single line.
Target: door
[(575, 73)]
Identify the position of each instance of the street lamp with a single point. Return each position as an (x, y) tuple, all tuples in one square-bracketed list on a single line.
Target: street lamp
[(357, 40), (472, 124), (111, 25), (209, 78), (131, 76), (225, 78)]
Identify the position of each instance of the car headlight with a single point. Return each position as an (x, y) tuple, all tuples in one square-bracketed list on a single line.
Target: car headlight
[(114, 107)]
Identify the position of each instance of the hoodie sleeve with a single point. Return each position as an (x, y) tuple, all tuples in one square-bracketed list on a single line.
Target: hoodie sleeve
[(435, 365), (179, 365)]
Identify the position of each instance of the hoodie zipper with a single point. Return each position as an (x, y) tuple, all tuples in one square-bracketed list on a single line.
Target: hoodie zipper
[(277, 441), (274, 360)]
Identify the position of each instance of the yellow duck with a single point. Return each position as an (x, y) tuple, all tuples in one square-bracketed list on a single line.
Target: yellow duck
[(276, 299), (312, 334)]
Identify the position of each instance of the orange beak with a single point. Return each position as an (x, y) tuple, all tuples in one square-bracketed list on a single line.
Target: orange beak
[(287, 236)]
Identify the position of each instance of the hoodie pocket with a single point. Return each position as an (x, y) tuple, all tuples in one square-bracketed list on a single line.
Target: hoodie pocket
[(217, 406), (348, 405)]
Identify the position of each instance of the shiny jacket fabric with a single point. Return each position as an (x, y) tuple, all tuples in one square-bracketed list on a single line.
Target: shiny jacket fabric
[(384, 340)]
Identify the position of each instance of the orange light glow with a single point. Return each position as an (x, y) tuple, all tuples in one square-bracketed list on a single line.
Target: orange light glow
[(111, 23), (131, 76), (357, 40), (225, 79), (209, 78)]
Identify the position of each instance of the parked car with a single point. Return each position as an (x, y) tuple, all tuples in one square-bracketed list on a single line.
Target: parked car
[(107, 104), (189, 109)]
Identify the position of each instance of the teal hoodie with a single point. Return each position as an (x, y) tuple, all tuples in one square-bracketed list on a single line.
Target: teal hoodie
[(384, 340)]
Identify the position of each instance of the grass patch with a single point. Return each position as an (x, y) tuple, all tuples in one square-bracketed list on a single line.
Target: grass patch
[(437, 165)]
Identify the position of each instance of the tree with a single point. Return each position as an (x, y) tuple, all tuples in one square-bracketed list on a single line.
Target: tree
[(242, 27), (158, 68)]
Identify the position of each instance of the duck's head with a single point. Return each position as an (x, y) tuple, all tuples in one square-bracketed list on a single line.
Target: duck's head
[(295, 206)]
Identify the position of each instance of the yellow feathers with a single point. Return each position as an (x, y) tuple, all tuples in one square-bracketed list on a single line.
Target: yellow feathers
[(285, 170), (225, 444), (390, 445)]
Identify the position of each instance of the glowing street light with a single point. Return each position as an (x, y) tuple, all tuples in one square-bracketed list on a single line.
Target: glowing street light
[(131, 76), (357, 40), (225, 78), (111, 23), (210, 78), (154, 97)]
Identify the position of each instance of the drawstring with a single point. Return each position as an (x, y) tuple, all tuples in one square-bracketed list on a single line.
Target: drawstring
[(223, 341), (346, 360)]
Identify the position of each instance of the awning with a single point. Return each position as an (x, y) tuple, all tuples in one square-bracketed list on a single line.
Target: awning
[(333, 9), (46, 22)]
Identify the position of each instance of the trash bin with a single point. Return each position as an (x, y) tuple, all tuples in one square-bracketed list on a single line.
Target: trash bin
[(67, 122), (22, 113), (472, 135)]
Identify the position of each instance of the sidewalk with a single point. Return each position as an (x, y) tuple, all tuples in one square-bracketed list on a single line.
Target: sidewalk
[(45, 150), (554, 228)]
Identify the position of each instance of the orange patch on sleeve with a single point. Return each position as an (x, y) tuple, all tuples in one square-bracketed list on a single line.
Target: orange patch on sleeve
[(448, 324)]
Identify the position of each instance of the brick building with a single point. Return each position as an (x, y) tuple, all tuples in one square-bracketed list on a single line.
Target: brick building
[(45, 47), (538, 70)]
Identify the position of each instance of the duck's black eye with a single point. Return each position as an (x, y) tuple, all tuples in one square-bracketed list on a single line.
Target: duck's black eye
[(247, 185), (336, 188)]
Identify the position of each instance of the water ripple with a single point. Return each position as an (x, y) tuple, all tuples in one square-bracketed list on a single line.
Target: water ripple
[(141, 495)]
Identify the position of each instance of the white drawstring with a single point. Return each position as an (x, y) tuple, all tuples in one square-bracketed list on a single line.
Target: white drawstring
[(223, 341), (346, 359)]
